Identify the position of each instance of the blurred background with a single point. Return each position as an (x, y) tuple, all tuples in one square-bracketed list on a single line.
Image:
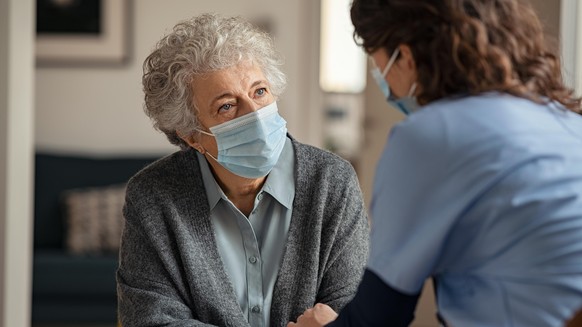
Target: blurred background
[(72, 129)]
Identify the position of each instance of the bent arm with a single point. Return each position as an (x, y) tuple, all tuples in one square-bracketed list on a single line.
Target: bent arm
[(377, 304)]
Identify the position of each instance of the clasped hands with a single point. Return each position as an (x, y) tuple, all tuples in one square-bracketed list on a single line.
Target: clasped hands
[(318, 316)]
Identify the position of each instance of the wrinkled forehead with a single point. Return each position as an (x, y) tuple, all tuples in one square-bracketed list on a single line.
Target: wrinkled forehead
[(235, 80)]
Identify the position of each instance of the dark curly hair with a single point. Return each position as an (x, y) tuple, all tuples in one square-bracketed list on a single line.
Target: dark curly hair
[(467, 47)]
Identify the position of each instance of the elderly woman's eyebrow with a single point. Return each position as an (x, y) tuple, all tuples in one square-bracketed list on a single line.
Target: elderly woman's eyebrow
[(221, 96), (228, 94), (259, 82)]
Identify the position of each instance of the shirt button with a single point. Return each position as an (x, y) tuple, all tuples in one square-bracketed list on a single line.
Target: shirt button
[(256, 309), (253, 260), (260, 197)]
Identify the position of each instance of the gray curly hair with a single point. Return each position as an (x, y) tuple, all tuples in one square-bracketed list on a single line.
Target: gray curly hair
[(200, 45)]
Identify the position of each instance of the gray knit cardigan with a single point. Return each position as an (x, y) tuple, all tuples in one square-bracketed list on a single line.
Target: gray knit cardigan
[(170, 271)]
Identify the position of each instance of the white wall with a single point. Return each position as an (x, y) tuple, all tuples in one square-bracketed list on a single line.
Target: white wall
[(99, 109), (16, 146), (549, 13)]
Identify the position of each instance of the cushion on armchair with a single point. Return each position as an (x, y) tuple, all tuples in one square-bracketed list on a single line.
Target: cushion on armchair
[(94, 219), (55, 174)]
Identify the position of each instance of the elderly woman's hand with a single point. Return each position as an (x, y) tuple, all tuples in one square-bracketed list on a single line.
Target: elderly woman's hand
[(318, 316)]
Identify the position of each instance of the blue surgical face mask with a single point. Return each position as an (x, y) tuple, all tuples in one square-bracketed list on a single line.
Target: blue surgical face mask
[(407, 104), (250, 145)]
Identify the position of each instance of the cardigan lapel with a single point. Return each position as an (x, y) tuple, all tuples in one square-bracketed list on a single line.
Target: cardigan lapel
[(293, 284), (214, 274)]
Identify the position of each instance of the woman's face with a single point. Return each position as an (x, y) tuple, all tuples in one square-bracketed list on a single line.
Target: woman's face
[(402, 74), (227, 94)]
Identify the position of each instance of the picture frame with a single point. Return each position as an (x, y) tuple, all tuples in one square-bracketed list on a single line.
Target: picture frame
[(105, 42)]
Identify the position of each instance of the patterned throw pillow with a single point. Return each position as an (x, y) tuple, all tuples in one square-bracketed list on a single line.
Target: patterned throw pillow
[(94, 219)]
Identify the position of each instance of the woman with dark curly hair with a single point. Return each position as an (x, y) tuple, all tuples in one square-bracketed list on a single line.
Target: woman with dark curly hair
[(480, 187)]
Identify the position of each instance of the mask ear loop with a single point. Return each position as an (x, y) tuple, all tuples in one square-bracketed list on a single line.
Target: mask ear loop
[(206, 151), (211, 156), (205, 133), (412, 90), (391, 62)]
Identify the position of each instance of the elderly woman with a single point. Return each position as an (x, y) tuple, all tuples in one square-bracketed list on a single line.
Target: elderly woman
[(245, 226)]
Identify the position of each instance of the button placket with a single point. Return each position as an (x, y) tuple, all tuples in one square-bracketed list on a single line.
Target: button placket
[(253, 273)]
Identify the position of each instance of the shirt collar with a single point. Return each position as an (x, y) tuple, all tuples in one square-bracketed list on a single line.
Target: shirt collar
[(213, 191), (280, 183)]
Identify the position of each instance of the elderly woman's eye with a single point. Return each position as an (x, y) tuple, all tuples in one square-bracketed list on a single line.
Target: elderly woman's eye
[(225, 106), (261, 91)]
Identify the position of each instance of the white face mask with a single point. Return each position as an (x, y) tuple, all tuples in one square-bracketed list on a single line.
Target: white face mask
[(407, 104), (250, 145)]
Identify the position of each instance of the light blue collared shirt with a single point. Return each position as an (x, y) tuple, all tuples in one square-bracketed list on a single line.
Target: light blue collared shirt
[(252, 248), (485, 194)]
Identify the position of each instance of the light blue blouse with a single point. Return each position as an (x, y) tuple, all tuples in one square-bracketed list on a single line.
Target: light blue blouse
[(252, 248), (484, 194)]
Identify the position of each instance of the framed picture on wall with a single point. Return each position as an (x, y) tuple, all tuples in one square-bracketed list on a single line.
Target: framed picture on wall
[(81, 31)]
